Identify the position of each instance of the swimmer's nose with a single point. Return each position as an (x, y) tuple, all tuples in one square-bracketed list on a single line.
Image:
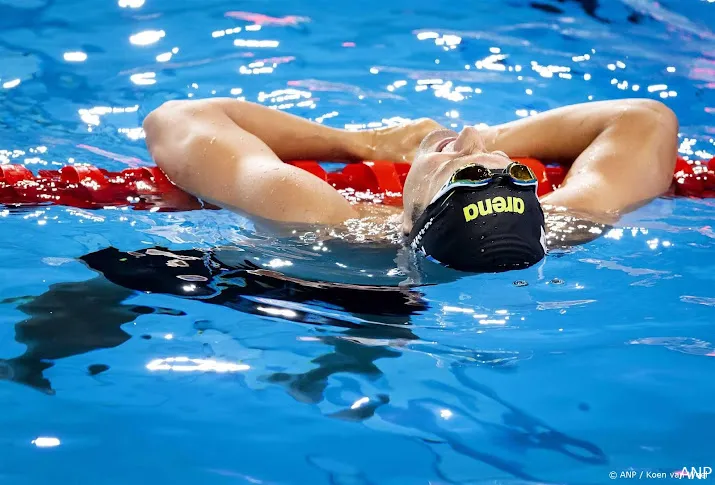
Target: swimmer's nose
[(469, 141)]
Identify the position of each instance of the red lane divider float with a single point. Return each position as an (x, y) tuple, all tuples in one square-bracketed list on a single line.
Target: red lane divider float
[(694, 179), (377, 182), (89, 187), (148, 188)]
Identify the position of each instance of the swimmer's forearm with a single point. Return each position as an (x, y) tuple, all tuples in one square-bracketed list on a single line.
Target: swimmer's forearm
[(291, 137), (563, 134)]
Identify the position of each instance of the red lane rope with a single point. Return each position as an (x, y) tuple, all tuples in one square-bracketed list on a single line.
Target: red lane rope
[(148, 188), (89, 187)]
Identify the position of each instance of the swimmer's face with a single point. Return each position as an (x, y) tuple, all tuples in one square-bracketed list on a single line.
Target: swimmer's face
[(440, 154)]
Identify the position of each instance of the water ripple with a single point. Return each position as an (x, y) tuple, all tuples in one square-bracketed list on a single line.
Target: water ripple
[(698, 300)]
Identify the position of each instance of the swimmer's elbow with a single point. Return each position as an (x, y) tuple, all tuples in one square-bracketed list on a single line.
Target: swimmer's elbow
[(648, 130), (172, 115), (661, 113), (158, 123), (646, 117), (167, 130), (157, 135), (665, 137)]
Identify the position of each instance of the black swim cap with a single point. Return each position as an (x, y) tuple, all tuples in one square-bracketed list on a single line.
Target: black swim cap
[(494, 228)]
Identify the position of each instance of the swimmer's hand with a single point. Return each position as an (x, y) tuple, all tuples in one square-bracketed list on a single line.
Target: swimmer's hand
[(399, 143)]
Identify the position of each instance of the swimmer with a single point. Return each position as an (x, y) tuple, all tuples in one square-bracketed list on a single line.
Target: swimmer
[(466, 204)]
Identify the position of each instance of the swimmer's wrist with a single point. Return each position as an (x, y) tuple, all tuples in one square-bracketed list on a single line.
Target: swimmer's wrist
[(376, 144), (491, 136), (359, 145)]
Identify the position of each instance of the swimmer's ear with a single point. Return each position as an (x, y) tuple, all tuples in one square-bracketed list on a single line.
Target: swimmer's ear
[(405, 228), (417, 274), (408, 222)]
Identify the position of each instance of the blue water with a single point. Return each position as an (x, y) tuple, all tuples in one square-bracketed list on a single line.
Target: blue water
[(600, 359)]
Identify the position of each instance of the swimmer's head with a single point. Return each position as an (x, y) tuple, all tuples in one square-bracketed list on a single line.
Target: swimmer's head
[(471, 209)]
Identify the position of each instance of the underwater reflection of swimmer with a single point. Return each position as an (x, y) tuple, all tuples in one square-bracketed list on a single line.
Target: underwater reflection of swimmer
[(59, 327), (453, 421), (69, 319), (366, 338)]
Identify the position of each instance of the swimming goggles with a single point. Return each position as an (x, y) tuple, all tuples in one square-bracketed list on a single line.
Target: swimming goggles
[(479, 176)]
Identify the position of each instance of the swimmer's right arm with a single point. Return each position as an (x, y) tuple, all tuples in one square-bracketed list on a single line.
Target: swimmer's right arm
[(230, 153), (293, 138)]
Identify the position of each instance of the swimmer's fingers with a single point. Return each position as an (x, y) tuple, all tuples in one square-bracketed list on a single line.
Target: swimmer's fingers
[(400, 143)]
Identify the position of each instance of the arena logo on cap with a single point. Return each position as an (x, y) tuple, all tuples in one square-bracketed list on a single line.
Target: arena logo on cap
[(495, 205)]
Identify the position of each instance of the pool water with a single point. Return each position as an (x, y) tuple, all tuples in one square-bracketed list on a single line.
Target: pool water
[(183, 348)]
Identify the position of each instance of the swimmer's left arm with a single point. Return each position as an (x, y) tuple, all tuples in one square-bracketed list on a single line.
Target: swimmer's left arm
[(628, 164), (623, 152)]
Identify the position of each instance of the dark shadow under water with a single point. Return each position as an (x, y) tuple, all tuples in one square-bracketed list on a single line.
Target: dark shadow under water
[(79, 317), (75, 318)]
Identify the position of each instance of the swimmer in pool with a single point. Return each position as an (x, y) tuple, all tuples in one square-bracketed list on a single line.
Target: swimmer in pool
[(466, 204)]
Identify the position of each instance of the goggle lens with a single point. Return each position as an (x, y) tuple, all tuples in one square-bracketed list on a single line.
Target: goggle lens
[(521, 173), (472, 173)]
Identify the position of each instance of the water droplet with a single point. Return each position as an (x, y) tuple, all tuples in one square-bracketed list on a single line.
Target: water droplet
[(309, 237), (557, 281), (521, 283), (208, 350)]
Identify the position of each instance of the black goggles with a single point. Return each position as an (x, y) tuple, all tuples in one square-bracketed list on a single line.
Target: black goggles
[(479, 176)]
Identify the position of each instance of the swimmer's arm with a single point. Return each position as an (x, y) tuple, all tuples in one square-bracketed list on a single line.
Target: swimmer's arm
[(623, 152), (204, 150), (294, 138), (291, 137)]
